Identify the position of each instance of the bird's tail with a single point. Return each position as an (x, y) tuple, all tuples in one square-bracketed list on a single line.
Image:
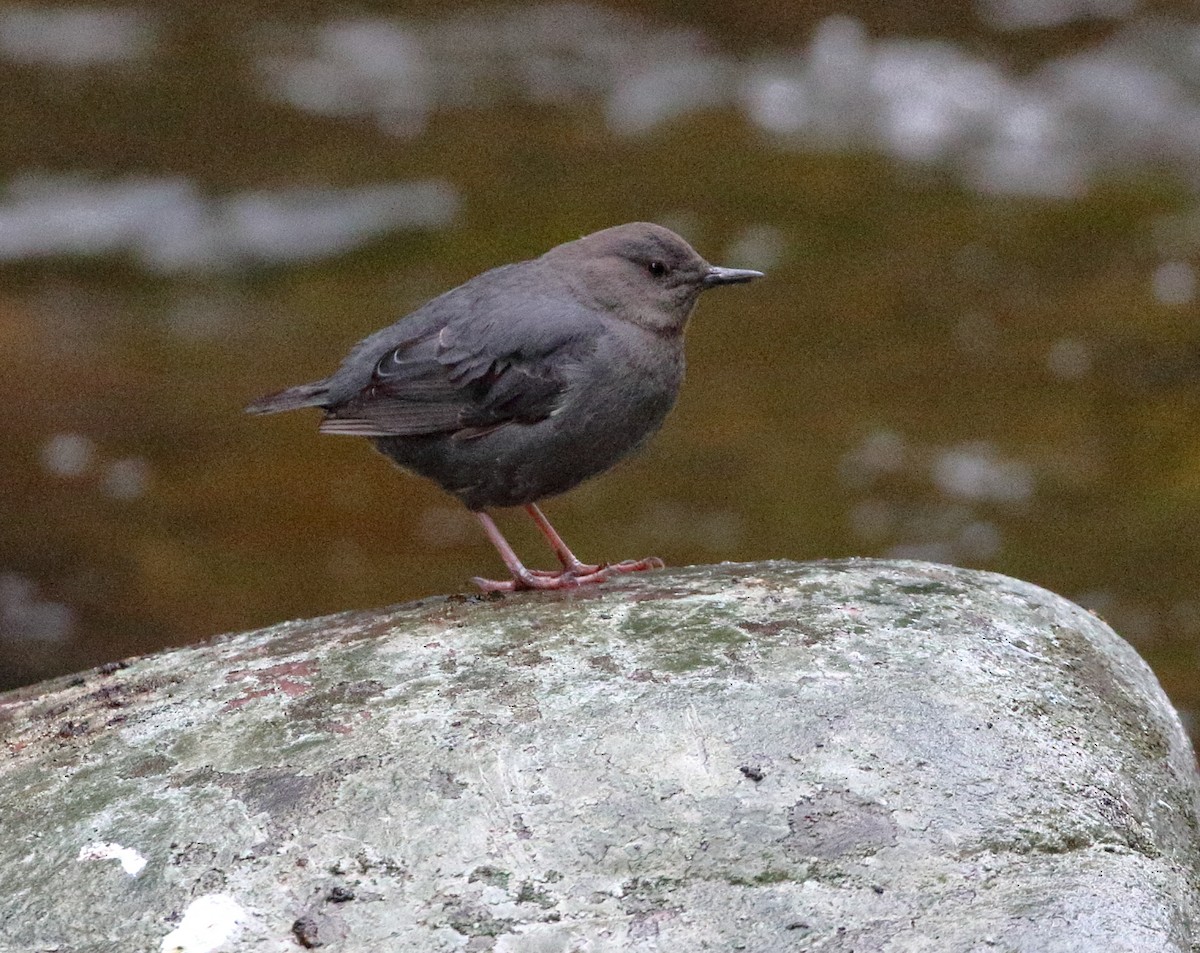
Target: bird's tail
[(303, 395)]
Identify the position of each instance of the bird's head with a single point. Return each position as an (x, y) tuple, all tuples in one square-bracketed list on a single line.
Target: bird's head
[(642, 273)]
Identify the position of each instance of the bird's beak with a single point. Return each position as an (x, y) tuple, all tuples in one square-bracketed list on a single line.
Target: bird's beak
[(728, 276)]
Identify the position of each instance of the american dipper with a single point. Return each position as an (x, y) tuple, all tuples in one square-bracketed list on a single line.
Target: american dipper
[(527, 380)]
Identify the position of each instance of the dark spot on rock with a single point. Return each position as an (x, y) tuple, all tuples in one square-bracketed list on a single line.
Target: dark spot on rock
[(318, 706), (446, 784), (517, 654), (279, 793), (384, 865), (109, 696), (790, 630), (763, 878), (56, 710), (762, 628), (193, 854), (833, 824), (212, 880), (76, 681), (753, 772), (877, 888), (474, 920), (605, 663), (108, 668), (646, 675), (360, 627), (201, 775), (528, 893), (73, 729), (797, 926), (646, 925), (492, 876), (246, 697), (152, 684), (307, 933), (340, 895)]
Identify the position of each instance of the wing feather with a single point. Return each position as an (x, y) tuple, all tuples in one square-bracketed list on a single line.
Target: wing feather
[(498, 360)]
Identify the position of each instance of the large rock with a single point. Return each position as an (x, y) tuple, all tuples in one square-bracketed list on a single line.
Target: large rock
[(829, 757)]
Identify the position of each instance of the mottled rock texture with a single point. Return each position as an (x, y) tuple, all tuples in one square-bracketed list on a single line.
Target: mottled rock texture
[(844, 756)]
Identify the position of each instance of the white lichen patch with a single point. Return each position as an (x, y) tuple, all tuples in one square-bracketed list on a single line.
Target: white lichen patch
[(208, 922), (131, 861)]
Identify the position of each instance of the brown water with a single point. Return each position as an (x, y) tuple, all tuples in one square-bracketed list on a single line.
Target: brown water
[(978, 342)]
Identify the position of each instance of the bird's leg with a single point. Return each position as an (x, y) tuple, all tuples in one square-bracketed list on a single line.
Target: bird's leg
[(523, 578), (571, 563)]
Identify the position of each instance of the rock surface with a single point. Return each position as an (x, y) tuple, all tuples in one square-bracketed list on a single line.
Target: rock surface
[(846, 756)]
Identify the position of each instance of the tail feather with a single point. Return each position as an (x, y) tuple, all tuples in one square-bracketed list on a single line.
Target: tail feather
[(303, 395)]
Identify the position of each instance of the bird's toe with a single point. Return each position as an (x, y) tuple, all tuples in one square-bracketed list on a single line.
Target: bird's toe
[(637, 565), (496, 585)]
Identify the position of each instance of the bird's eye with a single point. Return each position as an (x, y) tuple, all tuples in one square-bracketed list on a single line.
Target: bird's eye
[(657, 269)]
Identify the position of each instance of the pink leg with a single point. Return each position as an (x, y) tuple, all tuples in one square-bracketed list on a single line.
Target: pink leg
[(571, 563), (523, 578), (569, 560)]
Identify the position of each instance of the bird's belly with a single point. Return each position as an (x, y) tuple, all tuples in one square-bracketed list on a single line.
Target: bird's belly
[(516, 464)]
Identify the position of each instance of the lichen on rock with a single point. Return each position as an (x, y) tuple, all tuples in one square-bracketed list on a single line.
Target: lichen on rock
[(851, 755)]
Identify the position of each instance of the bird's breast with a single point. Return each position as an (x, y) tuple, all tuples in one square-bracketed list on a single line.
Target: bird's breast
[(616, 398), (631, 374)]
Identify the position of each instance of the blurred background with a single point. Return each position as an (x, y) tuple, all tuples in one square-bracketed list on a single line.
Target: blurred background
[(978, 343)]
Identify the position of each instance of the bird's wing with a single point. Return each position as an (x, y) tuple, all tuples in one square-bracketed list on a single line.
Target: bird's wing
[(498, 361)]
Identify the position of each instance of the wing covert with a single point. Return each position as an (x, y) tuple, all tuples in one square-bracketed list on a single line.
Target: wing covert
[(488, 367)]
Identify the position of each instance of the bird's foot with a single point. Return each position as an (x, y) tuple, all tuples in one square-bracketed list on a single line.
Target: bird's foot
[(541, 579), (581, 574), (585, 569), (636, 565)]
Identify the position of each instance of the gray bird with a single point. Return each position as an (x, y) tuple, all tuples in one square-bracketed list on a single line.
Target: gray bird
[(527, 379)]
